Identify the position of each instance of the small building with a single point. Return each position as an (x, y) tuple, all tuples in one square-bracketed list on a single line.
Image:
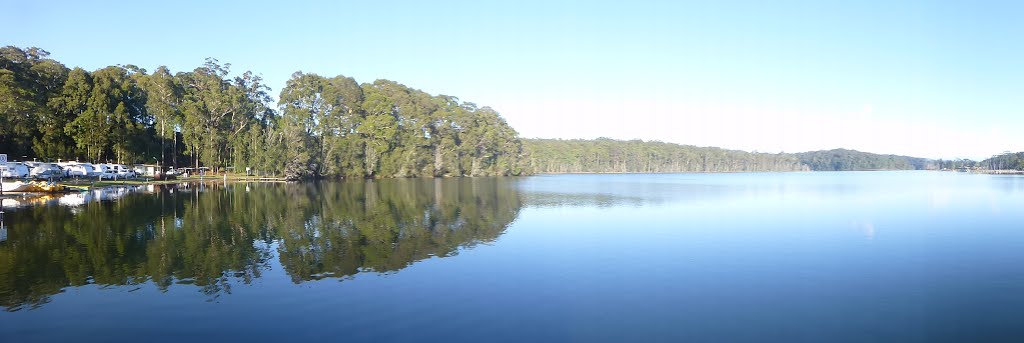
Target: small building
[(148, 169)]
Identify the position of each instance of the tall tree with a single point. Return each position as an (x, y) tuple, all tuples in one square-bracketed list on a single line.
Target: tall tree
[(163, 102), (114, 117), (28, 79)]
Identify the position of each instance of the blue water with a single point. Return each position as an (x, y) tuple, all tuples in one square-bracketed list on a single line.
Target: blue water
[(787, 257)]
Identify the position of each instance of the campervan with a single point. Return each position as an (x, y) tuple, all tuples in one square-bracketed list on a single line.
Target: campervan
[(78, 170), (101, 170), (15, 170)]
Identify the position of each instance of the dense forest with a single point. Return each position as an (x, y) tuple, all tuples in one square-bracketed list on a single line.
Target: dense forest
[(322, 126), (843, 159), (636, 156), (1004, 161)]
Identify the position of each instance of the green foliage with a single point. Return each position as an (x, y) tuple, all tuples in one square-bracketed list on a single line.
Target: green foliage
[(604, 155), (613, 156), (1005, 161), (326, 127), (165, 94), (113, 117), (843, 159), (28, 78), (336, 128)]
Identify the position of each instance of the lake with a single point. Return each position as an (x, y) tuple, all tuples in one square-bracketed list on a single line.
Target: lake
[(785, 257)]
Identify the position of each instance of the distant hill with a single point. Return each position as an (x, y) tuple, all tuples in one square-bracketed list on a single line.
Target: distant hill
[(605, 155), (844, 159)]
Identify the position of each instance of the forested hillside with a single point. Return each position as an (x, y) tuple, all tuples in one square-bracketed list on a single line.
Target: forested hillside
[(1004, 161), (636, 156), (843, 159), (210, 116), (614, 156)]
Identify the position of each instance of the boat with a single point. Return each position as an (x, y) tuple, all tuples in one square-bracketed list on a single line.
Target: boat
[(34, 187), (14, 186)]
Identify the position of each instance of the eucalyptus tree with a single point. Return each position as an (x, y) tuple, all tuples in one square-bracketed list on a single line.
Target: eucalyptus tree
[(28, 78), (207, 101), (114, 117), (409, 155), (378, 129), (342, 149), (443, 136), (218, 111), (255, 114), (71, 102), (303, 109), (165, 95)]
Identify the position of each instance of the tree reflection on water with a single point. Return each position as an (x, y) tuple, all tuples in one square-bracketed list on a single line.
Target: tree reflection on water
[(218, 236)]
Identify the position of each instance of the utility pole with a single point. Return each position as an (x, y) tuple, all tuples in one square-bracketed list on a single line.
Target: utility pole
[(3, 162)]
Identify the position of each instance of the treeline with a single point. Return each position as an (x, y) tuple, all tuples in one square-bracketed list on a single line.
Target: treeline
[(843, 159), (1004, 161), (957, 164), (605, 155), (206, 117)]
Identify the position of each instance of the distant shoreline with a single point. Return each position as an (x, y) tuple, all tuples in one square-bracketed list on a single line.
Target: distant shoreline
[(736, 172)]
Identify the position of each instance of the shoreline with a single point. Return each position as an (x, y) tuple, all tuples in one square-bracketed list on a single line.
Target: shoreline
[(998, 172), (81, 185), (76, 185)]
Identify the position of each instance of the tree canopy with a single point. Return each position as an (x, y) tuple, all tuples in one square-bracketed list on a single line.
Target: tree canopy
[(844, 159), (213, 117), (604, 155), (1005, 161)]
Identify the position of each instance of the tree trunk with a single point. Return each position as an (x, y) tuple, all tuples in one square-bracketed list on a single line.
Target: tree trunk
[(438, 161)]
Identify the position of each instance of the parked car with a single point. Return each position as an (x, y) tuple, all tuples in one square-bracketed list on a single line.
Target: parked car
[(70, 169), (108, 171), (101, 170), (15, 170), (124, 172), (45, 171), (118, 171)]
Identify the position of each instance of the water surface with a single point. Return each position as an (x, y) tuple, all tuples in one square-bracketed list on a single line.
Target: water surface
[(849, 257)]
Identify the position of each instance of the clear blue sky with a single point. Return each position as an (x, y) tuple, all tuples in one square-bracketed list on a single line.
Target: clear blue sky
[(924, 78)]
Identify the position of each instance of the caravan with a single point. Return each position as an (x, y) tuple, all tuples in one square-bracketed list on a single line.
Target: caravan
[(111, 170), (106, 170), (75, 169), (100, 170), (79, 170), (14, 170)]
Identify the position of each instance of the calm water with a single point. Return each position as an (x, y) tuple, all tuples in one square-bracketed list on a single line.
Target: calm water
[(811, 257)]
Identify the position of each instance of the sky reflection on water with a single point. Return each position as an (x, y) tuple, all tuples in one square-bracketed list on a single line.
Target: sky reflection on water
[(864, 256)]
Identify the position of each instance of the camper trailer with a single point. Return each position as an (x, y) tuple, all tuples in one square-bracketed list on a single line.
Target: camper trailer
[(15, 170), (79, 170)]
